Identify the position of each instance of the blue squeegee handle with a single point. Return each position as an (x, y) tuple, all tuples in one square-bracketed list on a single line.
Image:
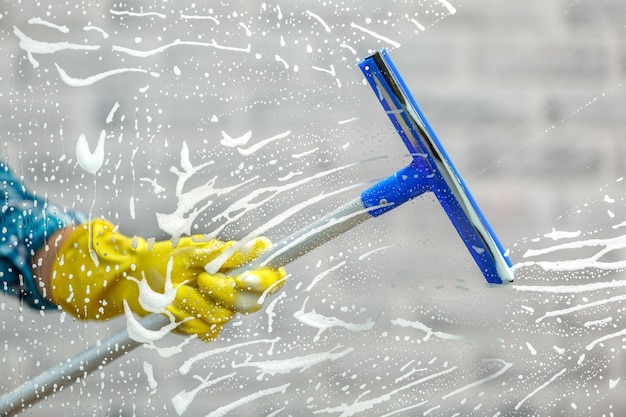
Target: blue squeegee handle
[(406, 184)]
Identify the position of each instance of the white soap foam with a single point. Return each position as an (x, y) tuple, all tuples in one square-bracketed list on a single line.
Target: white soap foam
[(90, 161)]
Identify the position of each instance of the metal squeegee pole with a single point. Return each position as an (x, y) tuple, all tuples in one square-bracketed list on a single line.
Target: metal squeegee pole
[(73, 370), (313, 235), (68, 372)]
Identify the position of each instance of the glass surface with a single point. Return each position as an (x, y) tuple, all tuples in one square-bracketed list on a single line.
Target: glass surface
[(240, 118)]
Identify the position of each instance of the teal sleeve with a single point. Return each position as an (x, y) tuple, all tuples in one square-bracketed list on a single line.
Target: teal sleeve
[(26, 223)]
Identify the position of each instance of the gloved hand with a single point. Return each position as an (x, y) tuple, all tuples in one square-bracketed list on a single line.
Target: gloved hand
[(98, 268)]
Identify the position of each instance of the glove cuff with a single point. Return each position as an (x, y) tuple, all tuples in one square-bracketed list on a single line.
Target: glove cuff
[(89, 275)]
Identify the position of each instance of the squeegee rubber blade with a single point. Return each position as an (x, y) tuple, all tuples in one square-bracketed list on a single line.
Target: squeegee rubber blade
[(430, 156)]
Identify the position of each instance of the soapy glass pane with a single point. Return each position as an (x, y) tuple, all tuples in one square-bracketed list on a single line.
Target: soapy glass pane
[(170, 118)]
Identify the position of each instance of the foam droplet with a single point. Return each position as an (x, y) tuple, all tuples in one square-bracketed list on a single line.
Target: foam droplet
[(90, 161)]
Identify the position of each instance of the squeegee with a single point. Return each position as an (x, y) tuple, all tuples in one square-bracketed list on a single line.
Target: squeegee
[(430, 170)]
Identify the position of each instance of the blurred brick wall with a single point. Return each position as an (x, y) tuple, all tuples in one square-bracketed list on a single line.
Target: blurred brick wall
[(527, 96)]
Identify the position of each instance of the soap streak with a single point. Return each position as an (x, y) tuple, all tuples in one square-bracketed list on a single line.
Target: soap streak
[(373, 251), (97, 29), (193, 202), (199, 17), (448, 6), (323, 323), (605, 338), (40, 21), (83, 82), (506, 366), (183, 399), (139, 333), (542, 386), (269, 311), (252, 149), (581, 307), (359, 406), (375, 35), (320, 20), (144, 54), (429, 332), (232, 142), (32, 46), (186, 366), (324, 274), (248, 203), (222, 411), (285, 366), (608, 245), (136, 14), (571, 289)]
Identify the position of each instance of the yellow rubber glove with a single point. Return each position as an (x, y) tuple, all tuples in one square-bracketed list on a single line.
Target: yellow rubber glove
[(98, 268)]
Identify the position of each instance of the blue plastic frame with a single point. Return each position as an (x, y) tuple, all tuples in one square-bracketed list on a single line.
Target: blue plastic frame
[(430, 170)]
